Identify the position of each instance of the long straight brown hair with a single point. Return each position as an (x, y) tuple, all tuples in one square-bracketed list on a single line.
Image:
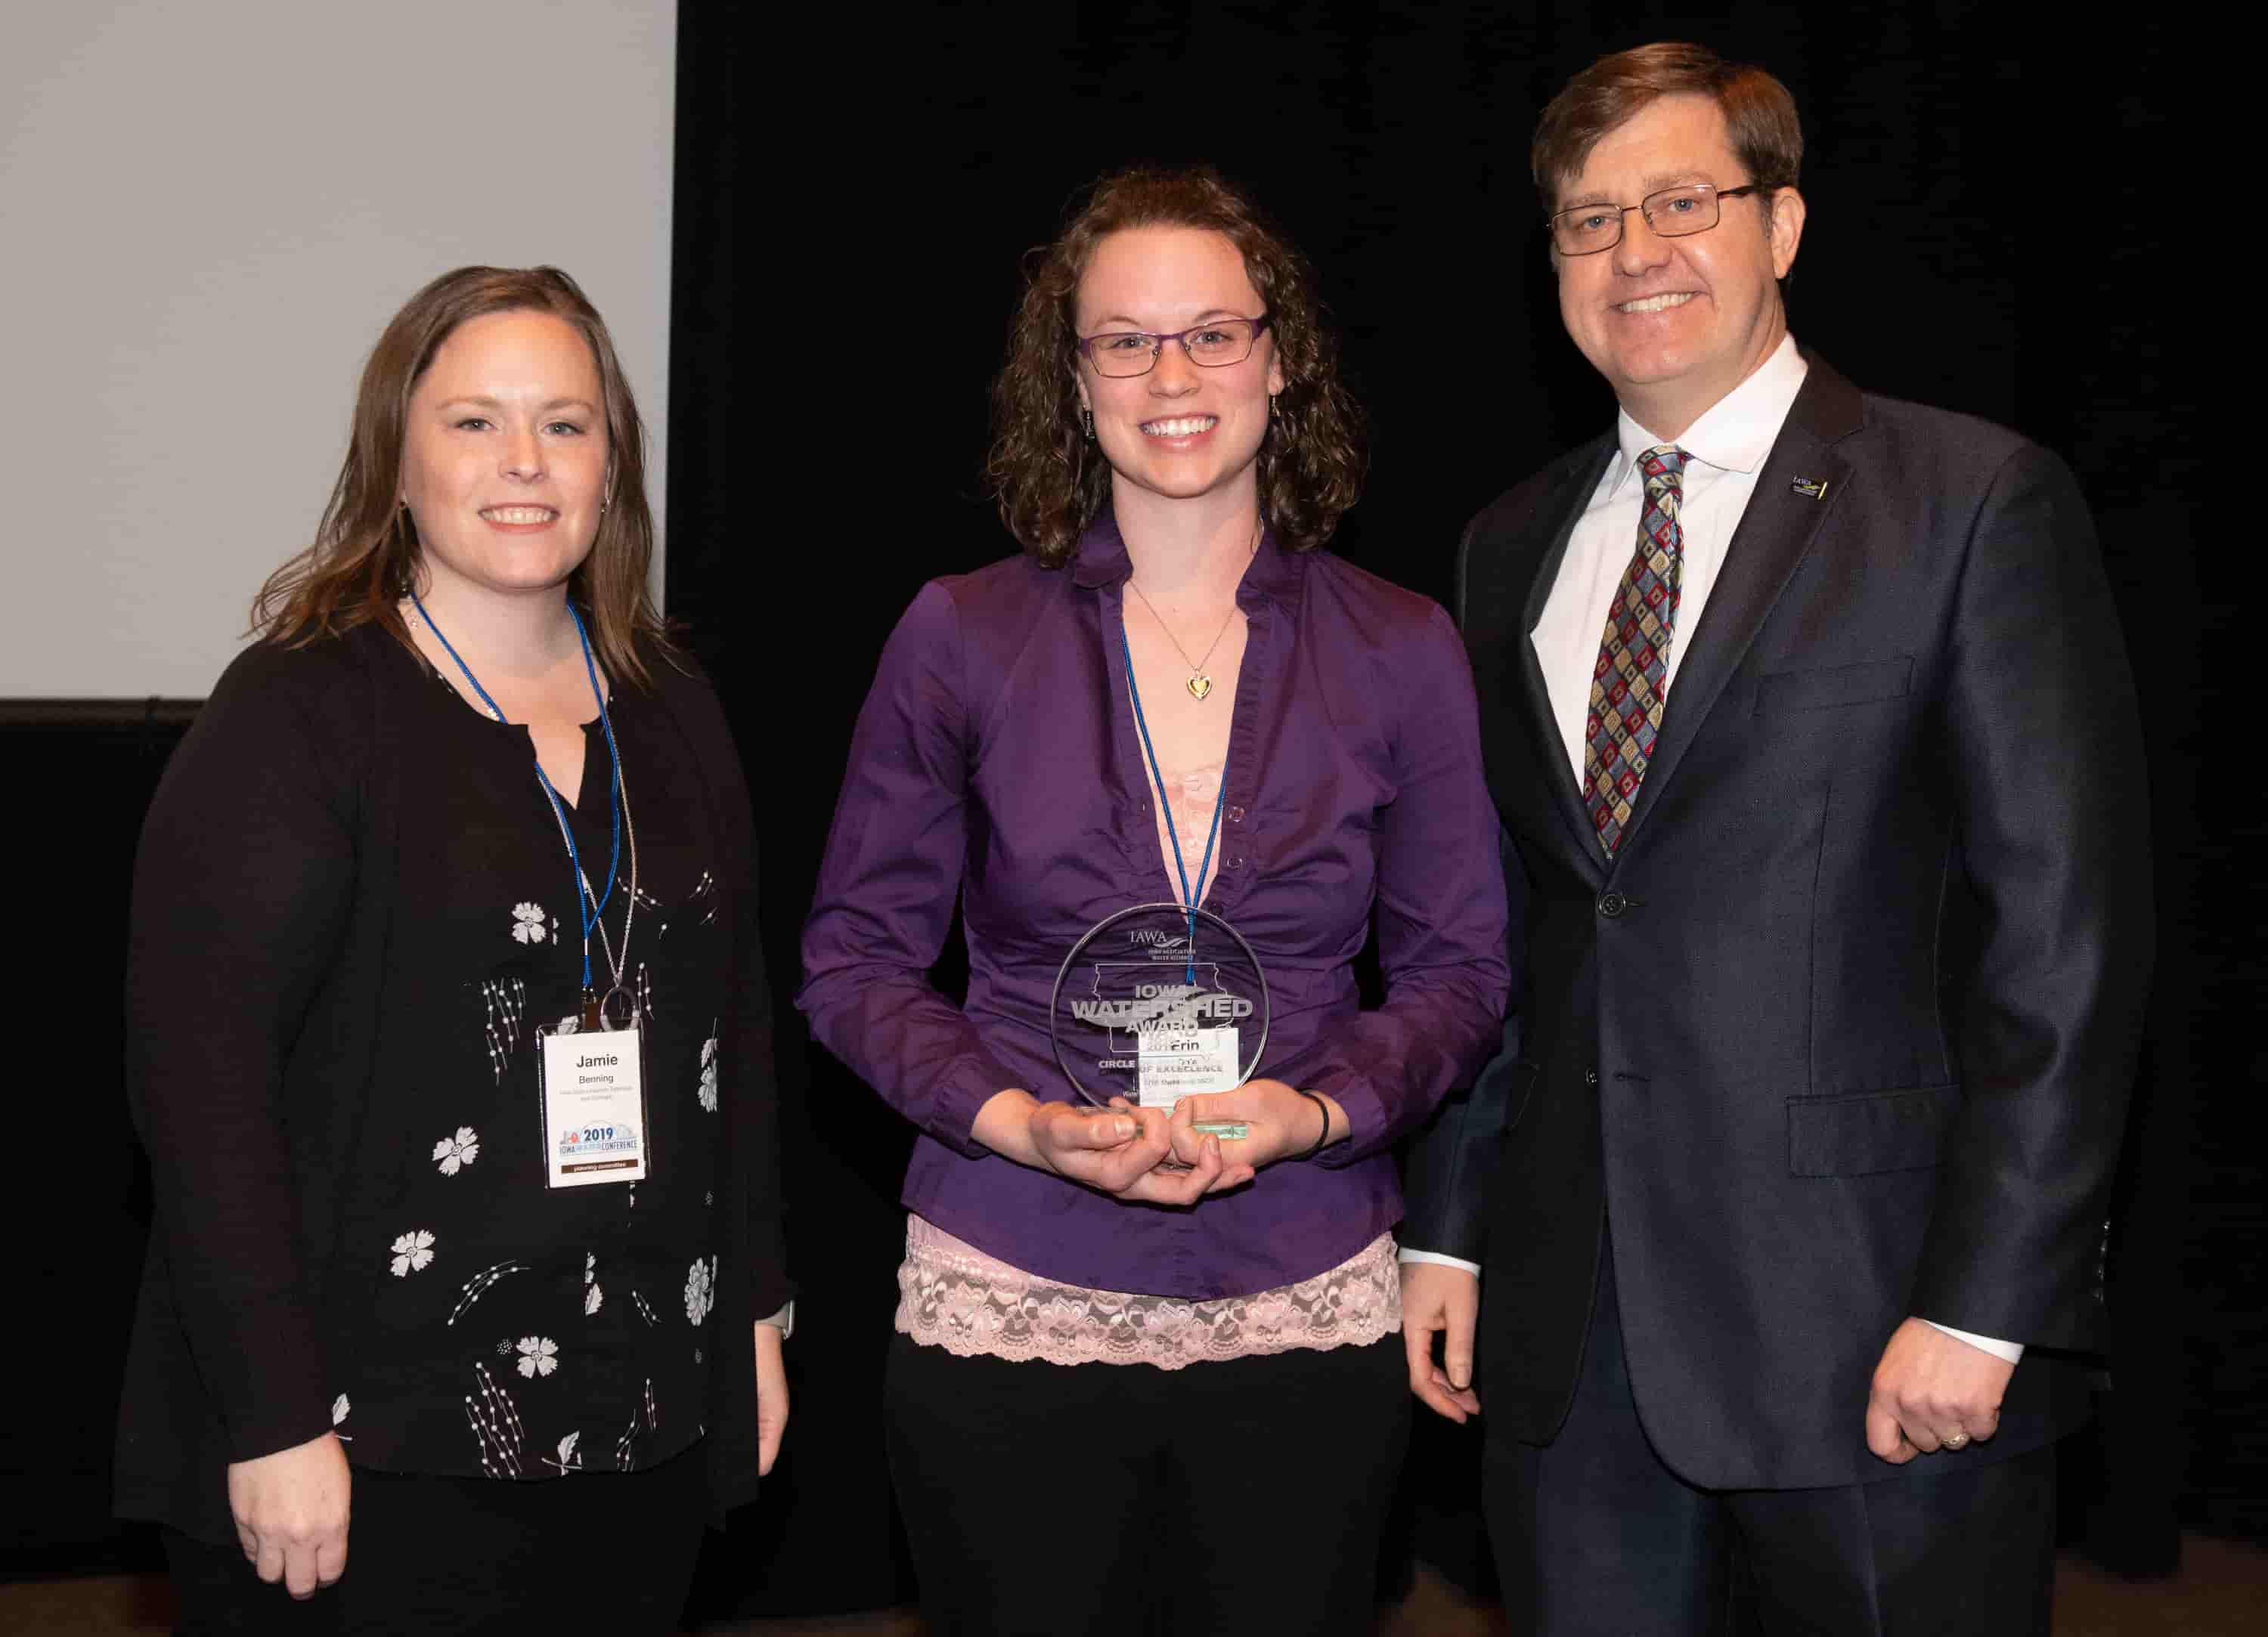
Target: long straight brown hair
[(364, 558)]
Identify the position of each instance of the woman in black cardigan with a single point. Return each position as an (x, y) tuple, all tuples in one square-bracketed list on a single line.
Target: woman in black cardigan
[(449, 1039)]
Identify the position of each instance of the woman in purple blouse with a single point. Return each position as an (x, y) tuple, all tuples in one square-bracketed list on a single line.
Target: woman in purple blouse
[(1175, 1354)]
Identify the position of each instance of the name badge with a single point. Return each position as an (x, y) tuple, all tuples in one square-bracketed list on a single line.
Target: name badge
[(1175, 1062), (594, 1108)]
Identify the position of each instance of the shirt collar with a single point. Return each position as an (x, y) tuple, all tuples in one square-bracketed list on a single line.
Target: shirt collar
[(1736, 432), (1100, 559)]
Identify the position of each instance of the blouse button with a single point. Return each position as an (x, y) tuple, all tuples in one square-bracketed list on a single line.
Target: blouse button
[(1237, 862), (1236, 815)]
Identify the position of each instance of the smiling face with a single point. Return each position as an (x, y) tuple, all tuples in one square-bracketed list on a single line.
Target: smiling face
[(1183, 432), (503, 461), (1674, 324)]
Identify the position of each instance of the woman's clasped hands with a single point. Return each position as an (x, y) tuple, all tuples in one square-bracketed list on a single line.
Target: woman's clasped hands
[(1154, 1158), (1280, 1123)]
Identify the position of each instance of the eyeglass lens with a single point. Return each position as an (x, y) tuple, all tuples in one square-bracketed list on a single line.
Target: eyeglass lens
[(1131, 352), (1671, 213)]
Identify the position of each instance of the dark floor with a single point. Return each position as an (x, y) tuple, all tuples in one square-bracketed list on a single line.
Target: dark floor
[(2221, 1591)]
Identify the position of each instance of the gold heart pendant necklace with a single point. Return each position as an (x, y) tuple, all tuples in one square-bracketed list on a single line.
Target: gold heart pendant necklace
[(1200, 682)]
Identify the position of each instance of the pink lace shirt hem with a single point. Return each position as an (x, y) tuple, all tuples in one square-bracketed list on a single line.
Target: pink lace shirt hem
[(953, 1295)]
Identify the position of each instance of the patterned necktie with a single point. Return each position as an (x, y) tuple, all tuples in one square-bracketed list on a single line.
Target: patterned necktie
[(1630, 684)]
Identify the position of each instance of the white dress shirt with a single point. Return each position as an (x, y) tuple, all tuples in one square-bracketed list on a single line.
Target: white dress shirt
[(1725, 449)]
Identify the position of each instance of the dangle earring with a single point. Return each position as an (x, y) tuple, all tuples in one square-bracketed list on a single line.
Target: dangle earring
[(1087, 416)]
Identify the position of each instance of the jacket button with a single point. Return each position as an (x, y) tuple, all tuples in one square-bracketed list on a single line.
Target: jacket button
[(1236, 815), (1612, 904)]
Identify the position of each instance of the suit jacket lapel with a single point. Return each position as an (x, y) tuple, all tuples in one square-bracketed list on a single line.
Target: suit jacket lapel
[(1554, 528), (1774, 535), (1506, 584)]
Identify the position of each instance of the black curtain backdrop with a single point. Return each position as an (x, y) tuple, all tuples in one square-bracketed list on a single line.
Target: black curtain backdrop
[(853, 195), (1978, 238)]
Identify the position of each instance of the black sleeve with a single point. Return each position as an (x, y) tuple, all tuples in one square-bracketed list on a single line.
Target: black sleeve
[(2045, 745), (754, 1080), (1452, 1161), (242, 885), (747, 1075)]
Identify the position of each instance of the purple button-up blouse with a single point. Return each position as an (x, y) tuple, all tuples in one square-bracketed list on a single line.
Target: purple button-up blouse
[(996, 759)]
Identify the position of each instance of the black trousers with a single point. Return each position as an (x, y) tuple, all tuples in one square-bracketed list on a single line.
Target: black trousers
[(592, 1551), (1236, 1496), (1595, 1536)]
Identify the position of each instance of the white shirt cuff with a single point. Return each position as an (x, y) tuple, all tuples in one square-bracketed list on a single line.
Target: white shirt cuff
[(1409, 1255), (2011, 1351)]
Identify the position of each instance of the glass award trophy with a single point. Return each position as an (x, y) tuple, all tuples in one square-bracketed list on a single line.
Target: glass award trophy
[(1156, 1002)]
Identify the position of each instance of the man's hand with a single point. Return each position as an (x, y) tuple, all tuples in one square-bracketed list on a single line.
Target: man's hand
[(772, 1396), (290, 1511), (1932, 1391), (1448, 1301)]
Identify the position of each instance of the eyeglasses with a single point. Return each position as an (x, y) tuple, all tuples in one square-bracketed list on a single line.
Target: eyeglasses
[(1672, 213), (1215, 345)]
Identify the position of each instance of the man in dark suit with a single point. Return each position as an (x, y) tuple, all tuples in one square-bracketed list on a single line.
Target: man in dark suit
[(1811, 730)]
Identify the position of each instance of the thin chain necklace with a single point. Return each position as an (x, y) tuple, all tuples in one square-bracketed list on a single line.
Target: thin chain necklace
[(1200, 682)]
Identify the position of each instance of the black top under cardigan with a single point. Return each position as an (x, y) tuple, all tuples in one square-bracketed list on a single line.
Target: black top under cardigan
[(305, 947)]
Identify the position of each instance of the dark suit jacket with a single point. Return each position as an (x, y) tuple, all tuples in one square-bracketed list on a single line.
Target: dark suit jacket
[(1844, 1031)]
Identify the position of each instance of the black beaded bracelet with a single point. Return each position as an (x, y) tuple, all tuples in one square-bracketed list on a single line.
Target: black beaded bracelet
[(1324, 1135)]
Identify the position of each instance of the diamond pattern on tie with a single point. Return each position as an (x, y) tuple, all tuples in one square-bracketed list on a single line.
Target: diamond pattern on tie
[(1630, 684)]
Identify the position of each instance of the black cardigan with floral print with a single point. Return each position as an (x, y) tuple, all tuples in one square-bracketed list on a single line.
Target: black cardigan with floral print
[(352, 924)]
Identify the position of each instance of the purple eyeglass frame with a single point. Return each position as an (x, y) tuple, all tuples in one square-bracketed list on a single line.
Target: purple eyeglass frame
[(1086, 343)]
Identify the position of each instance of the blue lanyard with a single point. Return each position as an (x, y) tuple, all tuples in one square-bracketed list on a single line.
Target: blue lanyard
[(590, 906), (1173, 833)]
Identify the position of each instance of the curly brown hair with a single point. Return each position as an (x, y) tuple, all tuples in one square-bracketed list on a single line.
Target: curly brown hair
[(1050, 483), (365, 552)]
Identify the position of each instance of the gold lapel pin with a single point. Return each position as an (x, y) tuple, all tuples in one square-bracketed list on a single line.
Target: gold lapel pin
[(1810, 488)]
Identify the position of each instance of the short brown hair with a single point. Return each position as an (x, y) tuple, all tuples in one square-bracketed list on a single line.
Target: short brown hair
[(1051, 481), (1758, 112), (365, 557)]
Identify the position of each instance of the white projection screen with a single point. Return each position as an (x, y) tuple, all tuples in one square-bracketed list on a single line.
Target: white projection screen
[(210, 210)]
